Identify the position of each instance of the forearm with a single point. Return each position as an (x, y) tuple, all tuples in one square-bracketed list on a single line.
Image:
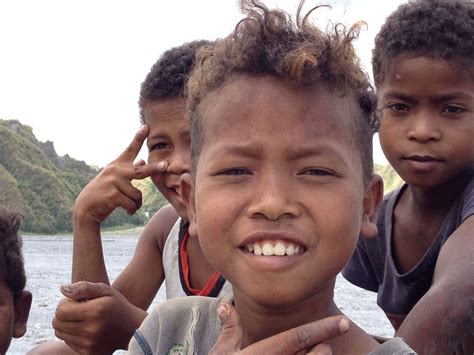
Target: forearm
[(87, 259), (439, 322)]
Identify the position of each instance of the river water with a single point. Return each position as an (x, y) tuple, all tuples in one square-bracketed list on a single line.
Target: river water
[(48, 266)]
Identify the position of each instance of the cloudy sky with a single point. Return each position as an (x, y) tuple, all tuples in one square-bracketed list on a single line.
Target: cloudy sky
[(72, 69)]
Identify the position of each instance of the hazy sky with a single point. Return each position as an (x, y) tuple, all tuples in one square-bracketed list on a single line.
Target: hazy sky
[(72, 69)]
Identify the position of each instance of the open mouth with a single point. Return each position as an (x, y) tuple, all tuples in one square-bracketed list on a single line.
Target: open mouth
[(273, 248)]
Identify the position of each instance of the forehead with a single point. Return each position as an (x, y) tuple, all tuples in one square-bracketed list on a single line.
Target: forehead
[(171, 109), (272, 105), (428, 75)]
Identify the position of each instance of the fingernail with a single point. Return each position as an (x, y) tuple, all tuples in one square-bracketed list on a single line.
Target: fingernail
[(162, 165), (66, 288), (344, 325), (222, 311), (142, 128)]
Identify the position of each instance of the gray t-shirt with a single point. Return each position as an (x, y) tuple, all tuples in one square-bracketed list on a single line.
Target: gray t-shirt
[(372, 266), (190, 325)]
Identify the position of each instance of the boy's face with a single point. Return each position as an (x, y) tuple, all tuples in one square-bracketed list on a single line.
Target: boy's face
[(277, 174), (427, 125), (13, 316), (168, 139)]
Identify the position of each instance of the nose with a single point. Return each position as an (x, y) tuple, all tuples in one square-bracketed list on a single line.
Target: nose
[(180, 161), (274, 199), (423, 128)]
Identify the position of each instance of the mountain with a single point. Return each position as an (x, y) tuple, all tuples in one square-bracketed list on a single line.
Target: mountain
[(42, 186)]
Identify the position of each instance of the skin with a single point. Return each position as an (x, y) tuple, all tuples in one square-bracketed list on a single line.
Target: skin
[(252, 184), (426, 134), (107, 320), (13, 315)]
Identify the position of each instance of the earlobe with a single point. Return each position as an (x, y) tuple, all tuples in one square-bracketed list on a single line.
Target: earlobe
[(22, 311), (372, 200), (187, 193)]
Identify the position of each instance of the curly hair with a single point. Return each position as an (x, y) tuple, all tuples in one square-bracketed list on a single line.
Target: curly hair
[(269, 42), (167, 77), (11, 259), (433, 28)]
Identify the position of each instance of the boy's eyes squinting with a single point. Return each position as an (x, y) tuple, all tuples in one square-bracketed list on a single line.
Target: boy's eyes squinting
[(317, 172), (234, 171)]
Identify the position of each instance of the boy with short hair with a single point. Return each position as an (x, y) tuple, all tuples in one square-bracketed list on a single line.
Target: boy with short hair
[(15, 301), (164, 251), (421, 261), (281, 185)]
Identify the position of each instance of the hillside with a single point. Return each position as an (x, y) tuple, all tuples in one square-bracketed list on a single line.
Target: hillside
[(390, 177), (43, 186)]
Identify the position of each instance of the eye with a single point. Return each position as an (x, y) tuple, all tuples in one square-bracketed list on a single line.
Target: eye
[(234, 171), (160, 146), (317, 172), (453, 109), (398, 107)]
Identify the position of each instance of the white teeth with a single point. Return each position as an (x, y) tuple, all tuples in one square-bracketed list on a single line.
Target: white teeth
[(279, 249), (268, 249)]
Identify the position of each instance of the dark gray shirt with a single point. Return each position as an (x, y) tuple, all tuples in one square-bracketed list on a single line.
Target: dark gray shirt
[(372, 266)]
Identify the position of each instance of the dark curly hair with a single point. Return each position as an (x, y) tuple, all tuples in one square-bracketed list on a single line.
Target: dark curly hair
[(268, 42), (433, 28), (167, 77), (11, 260)]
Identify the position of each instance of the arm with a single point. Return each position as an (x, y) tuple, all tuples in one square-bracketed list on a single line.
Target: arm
[(110, 189), (443, 318)]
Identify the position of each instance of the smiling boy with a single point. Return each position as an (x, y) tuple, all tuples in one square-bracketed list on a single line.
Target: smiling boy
[(281, 182)]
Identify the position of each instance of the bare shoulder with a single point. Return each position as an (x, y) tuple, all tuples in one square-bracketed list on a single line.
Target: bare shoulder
[(457, 254), (160, 225)]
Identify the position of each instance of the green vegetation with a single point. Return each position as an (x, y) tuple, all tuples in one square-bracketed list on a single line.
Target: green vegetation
[(42, 186), (391, 180)]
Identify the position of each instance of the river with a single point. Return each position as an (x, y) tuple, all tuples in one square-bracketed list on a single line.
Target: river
[(48, 265)]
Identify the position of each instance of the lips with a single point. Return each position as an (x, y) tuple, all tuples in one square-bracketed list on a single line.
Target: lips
[(422, 163)]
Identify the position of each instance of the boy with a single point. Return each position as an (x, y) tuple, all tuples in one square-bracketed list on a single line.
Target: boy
[(15, 302), (421, 261), (281, 183), (164, 252)]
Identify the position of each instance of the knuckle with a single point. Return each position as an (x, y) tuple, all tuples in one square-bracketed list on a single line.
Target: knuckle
[(302, 338)]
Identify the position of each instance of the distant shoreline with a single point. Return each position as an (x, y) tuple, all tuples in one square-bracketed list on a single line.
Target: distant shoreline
[(123, 230)]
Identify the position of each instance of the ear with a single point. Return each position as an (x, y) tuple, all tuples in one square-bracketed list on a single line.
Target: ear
[(22, 311), (187, 193), (372, 200)]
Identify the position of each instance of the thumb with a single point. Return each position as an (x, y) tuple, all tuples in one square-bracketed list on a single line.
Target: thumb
[(231, 335), (84, 290)]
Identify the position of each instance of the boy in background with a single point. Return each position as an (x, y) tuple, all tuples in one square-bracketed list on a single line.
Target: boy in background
[(421, 262), (107, 320), (281, 185), (15, 301)]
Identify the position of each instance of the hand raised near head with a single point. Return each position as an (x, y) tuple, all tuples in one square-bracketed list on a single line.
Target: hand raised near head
[(113, 188), (294, 341)]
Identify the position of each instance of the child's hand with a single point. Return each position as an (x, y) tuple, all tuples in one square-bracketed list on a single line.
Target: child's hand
[(95, 319), (113, 188), (293, 341)]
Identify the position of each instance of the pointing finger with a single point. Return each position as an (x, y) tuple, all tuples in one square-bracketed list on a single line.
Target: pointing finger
[(133, 149)]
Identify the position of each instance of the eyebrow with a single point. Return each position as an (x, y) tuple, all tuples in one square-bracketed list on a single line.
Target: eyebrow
[(435, 99), (253, 152)]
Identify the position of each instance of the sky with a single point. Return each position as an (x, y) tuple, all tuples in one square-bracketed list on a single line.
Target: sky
[(72, 69)]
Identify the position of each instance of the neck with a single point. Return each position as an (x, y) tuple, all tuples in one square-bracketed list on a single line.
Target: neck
[(440, 197), (262, 321)]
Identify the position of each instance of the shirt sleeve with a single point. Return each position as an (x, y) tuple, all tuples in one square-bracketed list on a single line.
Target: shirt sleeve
[(359, 270), (468, 205)]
